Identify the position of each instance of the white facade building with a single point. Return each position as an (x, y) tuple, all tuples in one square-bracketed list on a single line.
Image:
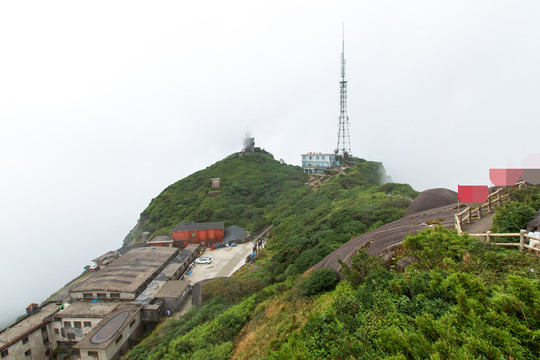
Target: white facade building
[(316, 163)]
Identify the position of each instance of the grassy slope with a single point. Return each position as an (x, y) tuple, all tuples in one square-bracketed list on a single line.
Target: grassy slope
[(468, 300), (308, 224), (320, 221), (251, 186)]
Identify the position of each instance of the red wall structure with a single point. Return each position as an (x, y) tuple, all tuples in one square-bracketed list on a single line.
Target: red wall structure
[(204, 234)]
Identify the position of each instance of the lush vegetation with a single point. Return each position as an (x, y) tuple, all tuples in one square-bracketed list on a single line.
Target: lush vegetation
[(461, 298), (514, 216), (309, 223), (319, 281), (318, 222), (207, 333)]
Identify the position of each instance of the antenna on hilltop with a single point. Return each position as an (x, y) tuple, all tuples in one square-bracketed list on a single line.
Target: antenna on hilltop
[(344, 141)]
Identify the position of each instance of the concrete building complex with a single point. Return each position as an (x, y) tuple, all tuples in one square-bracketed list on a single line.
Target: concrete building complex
[(102, 315), (316, 163)]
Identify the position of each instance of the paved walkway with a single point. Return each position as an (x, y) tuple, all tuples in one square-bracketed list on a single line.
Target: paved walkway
[(390, 235), (479, 226), (225, 262)]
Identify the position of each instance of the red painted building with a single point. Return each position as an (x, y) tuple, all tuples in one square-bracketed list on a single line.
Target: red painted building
[(204, 234)]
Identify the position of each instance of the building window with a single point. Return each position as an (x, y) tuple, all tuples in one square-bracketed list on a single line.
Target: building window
[(87, 324), (132, 323), (28, 353), (25, 340), (56, 332), (5, 353), (88, 295), (67, 324), (115, 295), (71, 336), (44, 331), (193, 234), (118, 339), (77, 325), (45, 341), (93, 354), (101, 296)]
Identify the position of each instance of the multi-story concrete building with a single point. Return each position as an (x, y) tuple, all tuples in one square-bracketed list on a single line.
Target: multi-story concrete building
[(30, 337), (110, 338), (77, 319), (316, 163)]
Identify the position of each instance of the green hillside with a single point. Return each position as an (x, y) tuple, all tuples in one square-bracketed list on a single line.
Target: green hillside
[(252, 186), (310, 221), (323, 219), (462, 299)]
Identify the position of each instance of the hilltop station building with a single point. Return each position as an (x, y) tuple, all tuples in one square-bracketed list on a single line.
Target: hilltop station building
[(317, 163)]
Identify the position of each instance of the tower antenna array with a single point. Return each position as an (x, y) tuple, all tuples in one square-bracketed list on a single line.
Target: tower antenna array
[(344, 141)]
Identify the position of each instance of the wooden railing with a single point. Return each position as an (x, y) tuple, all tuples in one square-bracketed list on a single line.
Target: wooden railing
[(523, 236), (469, 214)]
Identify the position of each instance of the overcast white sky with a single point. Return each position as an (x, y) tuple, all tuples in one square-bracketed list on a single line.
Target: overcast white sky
[(105, 103)]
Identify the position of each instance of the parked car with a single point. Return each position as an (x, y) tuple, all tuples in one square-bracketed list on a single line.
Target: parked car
[(204, 260)]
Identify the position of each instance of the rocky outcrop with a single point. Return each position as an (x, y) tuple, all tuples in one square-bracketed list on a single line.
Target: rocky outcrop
[(135, 233), (534, 222), (431, 199), (388, 236)]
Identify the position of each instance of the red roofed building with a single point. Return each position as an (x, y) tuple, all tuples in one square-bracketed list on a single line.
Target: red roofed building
[(205, 234)]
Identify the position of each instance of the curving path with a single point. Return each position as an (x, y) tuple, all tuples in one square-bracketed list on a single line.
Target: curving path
[(389, 235)]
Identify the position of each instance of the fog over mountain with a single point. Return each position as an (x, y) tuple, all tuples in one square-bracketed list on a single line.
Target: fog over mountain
[(103, 105)]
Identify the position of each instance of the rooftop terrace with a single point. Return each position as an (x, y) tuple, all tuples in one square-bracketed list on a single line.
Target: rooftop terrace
[(129, 272), (105, 332), (83, 309)]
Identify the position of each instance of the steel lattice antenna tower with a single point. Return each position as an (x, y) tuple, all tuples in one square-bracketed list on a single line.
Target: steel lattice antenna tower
[(344, 141)]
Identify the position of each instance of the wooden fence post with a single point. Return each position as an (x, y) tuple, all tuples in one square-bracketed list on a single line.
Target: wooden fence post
[(488, 236), (469, 212), (522, 240), (457, 220)]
